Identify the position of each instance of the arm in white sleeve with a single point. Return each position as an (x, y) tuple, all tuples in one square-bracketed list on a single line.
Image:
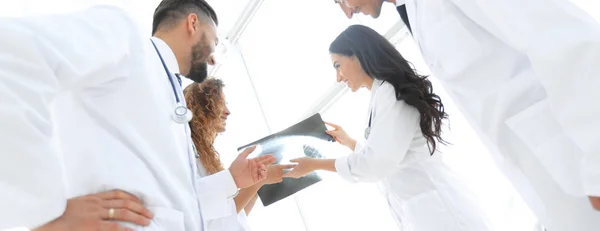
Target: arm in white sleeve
[(39, 57), (392, 132), (562, 43), (215, 191)]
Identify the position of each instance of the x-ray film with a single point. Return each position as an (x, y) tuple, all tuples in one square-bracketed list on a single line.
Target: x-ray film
[(300, 140)]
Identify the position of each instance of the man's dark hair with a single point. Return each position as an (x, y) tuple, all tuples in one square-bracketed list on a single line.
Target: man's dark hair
[(169, 12)]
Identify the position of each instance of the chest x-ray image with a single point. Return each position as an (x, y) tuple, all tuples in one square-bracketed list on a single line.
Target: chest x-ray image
[(300, 140)]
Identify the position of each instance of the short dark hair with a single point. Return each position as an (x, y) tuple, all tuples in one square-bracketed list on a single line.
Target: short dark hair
[(169, 12)]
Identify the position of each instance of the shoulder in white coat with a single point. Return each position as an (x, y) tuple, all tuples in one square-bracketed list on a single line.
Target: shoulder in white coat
[(39, 58)]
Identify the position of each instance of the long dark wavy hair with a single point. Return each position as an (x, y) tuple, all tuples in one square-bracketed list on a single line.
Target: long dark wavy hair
[(380, 60), (206, 103)]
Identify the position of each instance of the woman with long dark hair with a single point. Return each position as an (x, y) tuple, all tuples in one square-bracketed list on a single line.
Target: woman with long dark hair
[(403, 133), (207, 102)]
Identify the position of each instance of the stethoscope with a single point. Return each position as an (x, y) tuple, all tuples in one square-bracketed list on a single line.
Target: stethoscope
[(368, 129), (181, 114)]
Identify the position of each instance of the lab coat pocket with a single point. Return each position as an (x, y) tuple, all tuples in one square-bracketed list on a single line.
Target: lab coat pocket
[(541, 133), (428, 212), (166, 219), (454, 45)]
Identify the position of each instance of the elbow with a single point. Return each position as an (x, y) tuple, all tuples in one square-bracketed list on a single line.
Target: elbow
[(372, 174)]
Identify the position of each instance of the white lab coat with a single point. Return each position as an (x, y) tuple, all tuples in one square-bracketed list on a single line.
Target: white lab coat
[(86, 107), (525, 74), (233, 222), (422, 192)]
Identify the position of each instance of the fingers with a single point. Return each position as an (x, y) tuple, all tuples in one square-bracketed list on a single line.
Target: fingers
[(265, 159), (291, 174), (116, 195), (247, 152), (262, 172), (286, 166), (126, 215), (128, 205), (333, 125)]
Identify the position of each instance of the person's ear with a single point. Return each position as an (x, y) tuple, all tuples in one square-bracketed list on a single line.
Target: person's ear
[(193, 23)]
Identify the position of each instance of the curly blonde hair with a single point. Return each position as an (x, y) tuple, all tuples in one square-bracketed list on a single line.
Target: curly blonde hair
[(206, 102)]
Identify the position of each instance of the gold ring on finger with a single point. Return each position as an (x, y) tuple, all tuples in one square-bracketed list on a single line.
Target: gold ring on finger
[(111, 213)]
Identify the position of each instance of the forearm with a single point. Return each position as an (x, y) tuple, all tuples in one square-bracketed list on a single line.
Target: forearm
[(247, 195), (325, 164), (250, 204), (351, 145)]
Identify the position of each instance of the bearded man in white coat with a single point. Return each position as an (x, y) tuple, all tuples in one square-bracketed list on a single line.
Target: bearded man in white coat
[(88, 106), (525, 74)]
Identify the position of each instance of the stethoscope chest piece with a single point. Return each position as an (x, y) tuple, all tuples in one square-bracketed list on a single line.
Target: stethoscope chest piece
[(182, 115), (367, 132)]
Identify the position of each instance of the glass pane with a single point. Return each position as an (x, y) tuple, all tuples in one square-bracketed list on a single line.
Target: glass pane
[(228, 12), (289, 65)]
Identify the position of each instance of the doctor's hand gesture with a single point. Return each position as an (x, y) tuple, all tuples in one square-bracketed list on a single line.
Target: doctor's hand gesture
[(341, 136), (305, 166), (98, 212), (275, 173), (247, 172)]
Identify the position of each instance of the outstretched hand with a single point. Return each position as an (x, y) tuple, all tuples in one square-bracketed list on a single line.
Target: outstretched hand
[(305, 166), (275, 173), (247, 172)]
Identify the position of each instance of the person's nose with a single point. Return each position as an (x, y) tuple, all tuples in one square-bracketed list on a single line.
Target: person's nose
[(211, 60), (227, 112), (347, 11)]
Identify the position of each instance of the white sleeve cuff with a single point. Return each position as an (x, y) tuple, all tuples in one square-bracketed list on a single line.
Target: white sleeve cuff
[(343, 169), (360, 144), (214, 193)]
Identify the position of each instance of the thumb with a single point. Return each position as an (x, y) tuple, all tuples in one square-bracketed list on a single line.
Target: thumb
[(295, 160), (247, 152)]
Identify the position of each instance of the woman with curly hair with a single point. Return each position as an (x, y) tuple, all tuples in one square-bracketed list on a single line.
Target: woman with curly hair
[(207, 102)]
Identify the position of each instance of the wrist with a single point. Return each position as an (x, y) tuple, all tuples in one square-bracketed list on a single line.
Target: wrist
[(235, 180), (352, 144), (320, 164)]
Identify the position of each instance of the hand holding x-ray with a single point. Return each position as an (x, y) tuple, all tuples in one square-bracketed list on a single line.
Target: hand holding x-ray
[(300, 140)]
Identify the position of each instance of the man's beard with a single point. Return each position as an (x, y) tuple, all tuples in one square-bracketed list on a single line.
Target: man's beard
[(198, 73), (199, 67)]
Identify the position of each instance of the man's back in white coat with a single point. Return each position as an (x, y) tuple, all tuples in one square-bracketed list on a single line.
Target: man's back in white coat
[(86, 91)]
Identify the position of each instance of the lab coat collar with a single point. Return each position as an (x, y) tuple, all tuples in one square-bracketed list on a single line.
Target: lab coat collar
[(400, 2), (167, 54), (376, 84)]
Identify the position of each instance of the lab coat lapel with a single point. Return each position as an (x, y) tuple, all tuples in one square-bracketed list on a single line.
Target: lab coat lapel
[(411, 10)]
